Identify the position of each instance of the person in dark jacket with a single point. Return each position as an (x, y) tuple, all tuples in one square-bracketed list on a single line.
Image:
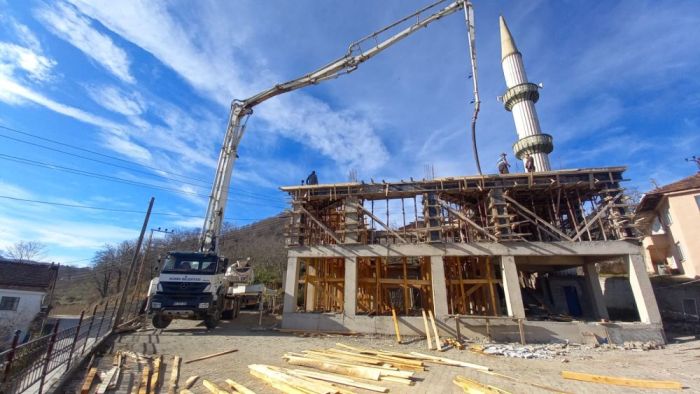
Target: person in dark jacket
[(312, 179)]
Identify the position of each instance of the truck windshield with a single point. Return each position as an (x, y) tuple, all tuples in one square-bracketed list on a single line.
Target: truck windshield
[(174, 265)]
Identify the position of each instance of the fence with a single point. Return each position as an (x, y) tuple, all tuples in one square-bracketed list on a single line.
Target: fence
[(34, 366)]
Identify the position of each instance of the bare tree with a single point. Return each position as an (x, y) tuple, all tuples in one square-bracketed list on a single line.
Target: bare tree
[(26, 250)]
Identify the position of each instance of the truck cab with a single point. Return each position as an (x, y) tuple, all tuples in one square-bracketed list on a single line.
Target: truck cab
[(190, 285)]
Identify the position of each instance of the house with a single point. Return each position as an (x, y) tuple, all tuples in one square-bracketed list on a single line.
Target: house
[(26, 288), (670, 220)]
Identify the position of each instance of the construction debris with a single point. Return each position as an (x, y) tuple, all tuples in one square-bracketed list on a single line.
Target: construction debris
[(548, 351), (87, 383), (190, 381), (213, 388), (174, 375), (239, 387)]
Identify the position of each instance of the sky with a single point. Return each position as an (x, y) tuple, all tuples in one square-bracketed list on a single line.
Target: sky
[(106, 103)]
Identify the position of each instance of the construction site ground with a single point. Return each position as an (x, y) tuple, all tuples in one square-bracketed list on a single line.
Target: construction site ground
[(678, 361)]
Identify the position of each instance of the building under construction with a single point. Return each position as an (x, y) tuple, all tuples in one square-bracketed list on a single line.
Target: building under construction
[(507, 256)]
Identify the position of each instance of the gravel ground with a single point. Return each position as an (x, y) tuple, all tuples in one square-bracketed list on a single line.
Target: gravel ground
[(679, 361)]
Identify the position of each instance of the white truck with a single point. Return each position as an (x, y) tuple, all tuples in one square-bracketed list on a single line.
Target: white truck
[(192, 285)]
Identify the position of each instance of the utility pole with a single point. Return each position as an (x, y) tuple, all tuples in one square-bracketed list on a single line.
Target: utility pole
[(122, 298), (144, 258)]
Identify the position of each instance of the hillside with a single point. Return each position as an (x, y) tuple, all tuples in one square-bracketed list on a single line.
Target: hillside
[(263, 242)]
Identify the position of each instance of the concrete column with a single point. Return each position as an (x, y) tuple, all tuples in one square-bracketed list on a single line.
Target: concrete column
[(593, 288), (642, 290), (511, 287), (290, 285), (437, 275), (350, 287)]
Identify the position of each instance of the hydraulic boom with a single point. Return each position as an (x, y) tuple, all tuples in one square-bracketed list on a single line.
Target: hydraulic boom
[(241, 109)]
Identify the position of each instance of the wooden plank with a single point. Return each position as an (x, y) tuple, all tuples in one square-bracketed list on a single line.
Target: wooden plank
[(448, 361), (381, 223), (281, 386), (239, 387), (384, 352), (87, 383), (213, 388), (211, 356), (383, 370), (102, 388), (355, 371), (437, 335), (519, 380), (427, 330), (321, 225), (185, 391), (174, 375), (396, 325), (382, 358), (473, 387), (145, 380), (155, 378), (338, 379), (395, 379), (298, 383), (190, 381), (621, 381)]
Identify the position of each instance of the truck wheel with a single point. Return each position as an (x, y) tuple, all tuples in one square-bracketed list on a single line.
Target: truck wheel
[(160, 321), (228, 314)]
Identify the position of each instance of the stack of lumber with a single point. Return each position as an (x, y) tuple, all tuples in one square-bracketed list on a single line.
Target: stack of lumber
[(348, 366)]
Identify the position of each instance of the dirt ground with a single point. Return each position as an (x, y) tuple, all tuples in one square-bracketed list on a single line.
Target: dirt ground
[(679, 361)]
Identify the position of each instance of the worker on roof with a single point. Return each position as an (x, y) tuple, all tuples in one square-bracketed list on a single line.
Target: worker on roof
[(312, 179), (529, 163), (503, 164)]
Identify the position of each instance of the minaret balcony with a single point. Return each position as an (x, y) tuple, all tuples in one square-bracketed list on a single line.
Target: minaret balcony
[(518, 93), (538, 143)]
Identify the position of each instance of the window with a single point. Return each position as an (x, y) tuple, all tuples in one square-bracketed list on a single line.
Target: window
[(666, 217), (9, 303), (679, 249)]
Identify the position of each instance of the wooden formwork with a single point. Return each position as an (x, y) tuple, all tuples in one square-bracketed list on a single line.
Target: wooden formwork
[(472, 286), (321, 285), (402, 283)]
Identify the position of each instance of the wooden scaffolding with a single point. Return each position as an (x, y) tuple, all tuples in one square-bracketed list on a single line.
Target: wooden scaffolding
[(472, 286), (321, 285)]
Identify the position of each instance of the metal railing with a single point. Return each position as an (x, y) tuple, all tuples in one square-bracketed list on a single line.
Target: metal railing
[(34, 366)]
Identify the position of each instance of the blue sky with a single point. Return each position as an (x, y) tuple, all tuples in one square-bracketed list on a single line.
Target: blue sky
[(144, 90)]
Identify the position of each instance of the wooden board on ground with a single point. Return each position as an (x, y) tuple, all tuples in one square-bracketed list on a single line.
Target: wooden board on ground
[(448, 361), (190, 381), (174, 375), (87, 383), (213, 388), (521, 381), (620, 381), (333, 378), (108, 377), (145, 380), (239, 387), (473, 387), (155, 378), (357, 372), (211, 356)]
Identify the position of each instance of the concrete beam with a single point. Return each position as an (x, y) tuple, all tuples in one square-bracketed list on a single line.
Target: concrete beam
[(290, 285), (562, 248), (593, 288), (437, 275), (350, 287), (511, 287), (642, 290)]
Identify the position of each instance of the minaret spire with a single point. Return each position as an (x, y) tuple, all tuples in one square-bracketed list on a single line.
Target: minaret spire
[(520, 99)]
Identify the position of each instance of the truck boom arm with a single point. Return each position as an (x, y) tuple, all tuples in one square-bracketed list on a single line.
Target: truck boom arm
[(241, 109)]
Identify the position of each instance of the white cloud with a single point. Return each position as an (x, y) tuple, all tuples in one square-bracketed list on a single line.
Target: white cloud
[(207, 62), (23, 33), (14, 89), (67, 24), (15, 191), (14, 57), (116, 100), (127, 147)]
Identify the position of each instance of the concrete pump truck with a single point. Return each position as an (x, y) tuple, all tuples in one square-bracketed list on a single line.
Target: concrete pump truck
[(192, 284)]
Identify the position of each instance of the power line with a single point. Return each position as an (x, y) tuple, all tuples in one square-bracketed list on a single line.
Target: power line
[(257, 195), (115, 209), (106, 177)]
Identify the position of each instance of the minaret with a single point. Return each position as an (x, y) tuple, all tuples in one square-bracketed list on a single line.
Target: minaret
[(520, 99)]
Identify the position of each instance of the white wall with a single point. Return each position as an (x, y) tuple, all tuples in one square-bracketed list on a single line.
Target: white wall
[(29, 306)]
